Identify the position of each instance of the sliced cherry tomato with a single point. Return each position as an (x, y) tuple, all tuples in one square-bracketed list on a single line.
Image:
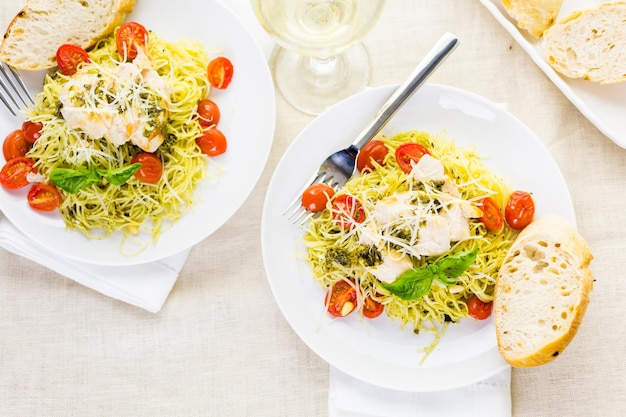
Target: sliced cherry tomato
[(14, 172), (212, 142), (478, 309), (130, 37), (372, 308), (408, 154), (347, 211), (208, 112), (14, 145), (220, 72), (315, 197), (69, 57), (44, 197), (32, 130), (519, 210), (341, 299), (151, 167), (376, 151), (492, 216)]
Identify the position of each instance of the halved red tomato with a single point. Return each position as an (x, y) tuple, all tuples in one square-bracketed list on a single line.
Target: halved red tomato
[(32, 130), (492, 216), (208, 112), (212, 142), (409, 154), (372, 308), (220, 72), (341, 299), (151, 167), (130, 37), (69, 57), (375, 150), (478, 309), (519, 210), (15, 145), (44, 197), (347, 210), (14, 172), (315, 197)]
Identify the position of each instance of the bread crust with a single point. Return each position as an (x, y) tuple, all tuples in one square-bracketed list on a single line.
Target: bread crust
[(35, 33), (542, 292), (590, 44), (535, 16)]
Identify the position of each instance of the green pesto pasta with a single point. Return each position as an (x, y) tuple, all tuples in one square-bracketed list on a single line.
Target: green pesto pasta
[(103, 208), (442, 304)]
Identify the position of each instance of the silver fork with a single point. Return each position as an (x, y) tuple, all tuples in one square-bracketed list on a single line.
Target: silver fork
[(13, 91), (340, 166)]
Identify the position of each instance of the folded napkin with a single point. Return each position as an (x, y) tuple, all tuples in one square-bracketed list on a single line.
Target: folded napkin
[(348, 397), (146, 285)]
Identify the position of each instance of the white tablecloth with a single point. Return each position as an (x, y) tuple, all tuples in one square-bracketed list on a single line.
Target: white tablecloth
[(220, 346)]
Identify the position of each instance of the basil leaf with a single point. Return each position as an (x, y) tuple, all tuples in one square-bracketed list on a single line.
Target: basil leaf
[(415, 283), (411, 285), (120, 176), (73, 180), (453, 266)]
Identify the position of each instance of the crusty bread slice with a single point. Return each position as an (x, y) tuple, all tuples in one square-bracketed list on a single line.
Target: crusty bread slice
[(533, 15), (542, 292), (35, 34), (590, 44)]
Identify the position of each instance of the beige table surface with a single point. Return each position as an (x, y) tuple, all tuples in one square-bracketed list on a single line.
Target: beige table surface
[(220, 346)]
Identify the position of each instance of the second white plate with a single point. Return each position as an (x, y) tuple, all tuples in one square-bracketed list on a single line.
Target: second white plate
[(377, 351), (248, 119)]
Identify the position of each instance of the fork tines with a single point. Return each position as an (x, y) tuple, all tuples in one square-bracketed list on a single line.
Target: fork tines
[(296, 213), (13, 91)]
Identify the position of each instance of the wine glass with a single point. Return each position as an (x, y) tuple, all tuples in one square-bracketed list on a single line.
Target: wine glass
[(321, 59)]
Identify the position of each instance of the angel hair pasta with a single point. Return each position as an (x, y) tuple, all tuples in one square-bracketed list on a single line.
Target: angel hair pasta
[(415, 244), (85, 145)]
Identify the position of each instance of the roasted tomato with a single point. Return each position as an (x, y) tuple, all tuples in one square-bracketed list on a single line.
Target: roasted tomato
[(151, 167), (212, 142), (315, 197), (31, 130), (347, 211), (44, 197), (69, 57), (15, 145), (208, 113), (375, 151), (220, 72), (408, 154), (14, 172), (519, 210), (478, 309), (341, 299), (130, 37), (492, 216), (372, 308)]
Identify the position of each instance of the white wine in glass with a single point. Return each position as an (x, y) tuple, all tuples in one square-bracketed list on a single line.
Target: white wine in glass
[(321, 59)]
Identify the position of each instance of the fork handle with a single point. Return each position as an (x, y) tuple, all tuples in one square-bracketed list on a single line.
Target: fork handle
[(420, 74)]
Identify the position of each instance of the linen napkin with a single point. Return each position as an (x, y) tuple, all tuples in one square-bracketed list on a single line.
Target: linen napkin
[(146, 286), (348, 397)]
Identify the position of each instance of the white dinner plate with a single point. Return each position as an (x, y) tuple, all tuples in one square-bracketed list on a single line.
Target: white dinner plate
[(603, 105), (377, 351), (248, 119)]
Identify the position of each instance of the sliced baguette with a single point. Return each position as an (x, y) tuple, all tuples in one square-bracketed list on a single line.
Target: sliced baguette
[(590, 44), (535, 16), (542, 292), (35, 34)]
